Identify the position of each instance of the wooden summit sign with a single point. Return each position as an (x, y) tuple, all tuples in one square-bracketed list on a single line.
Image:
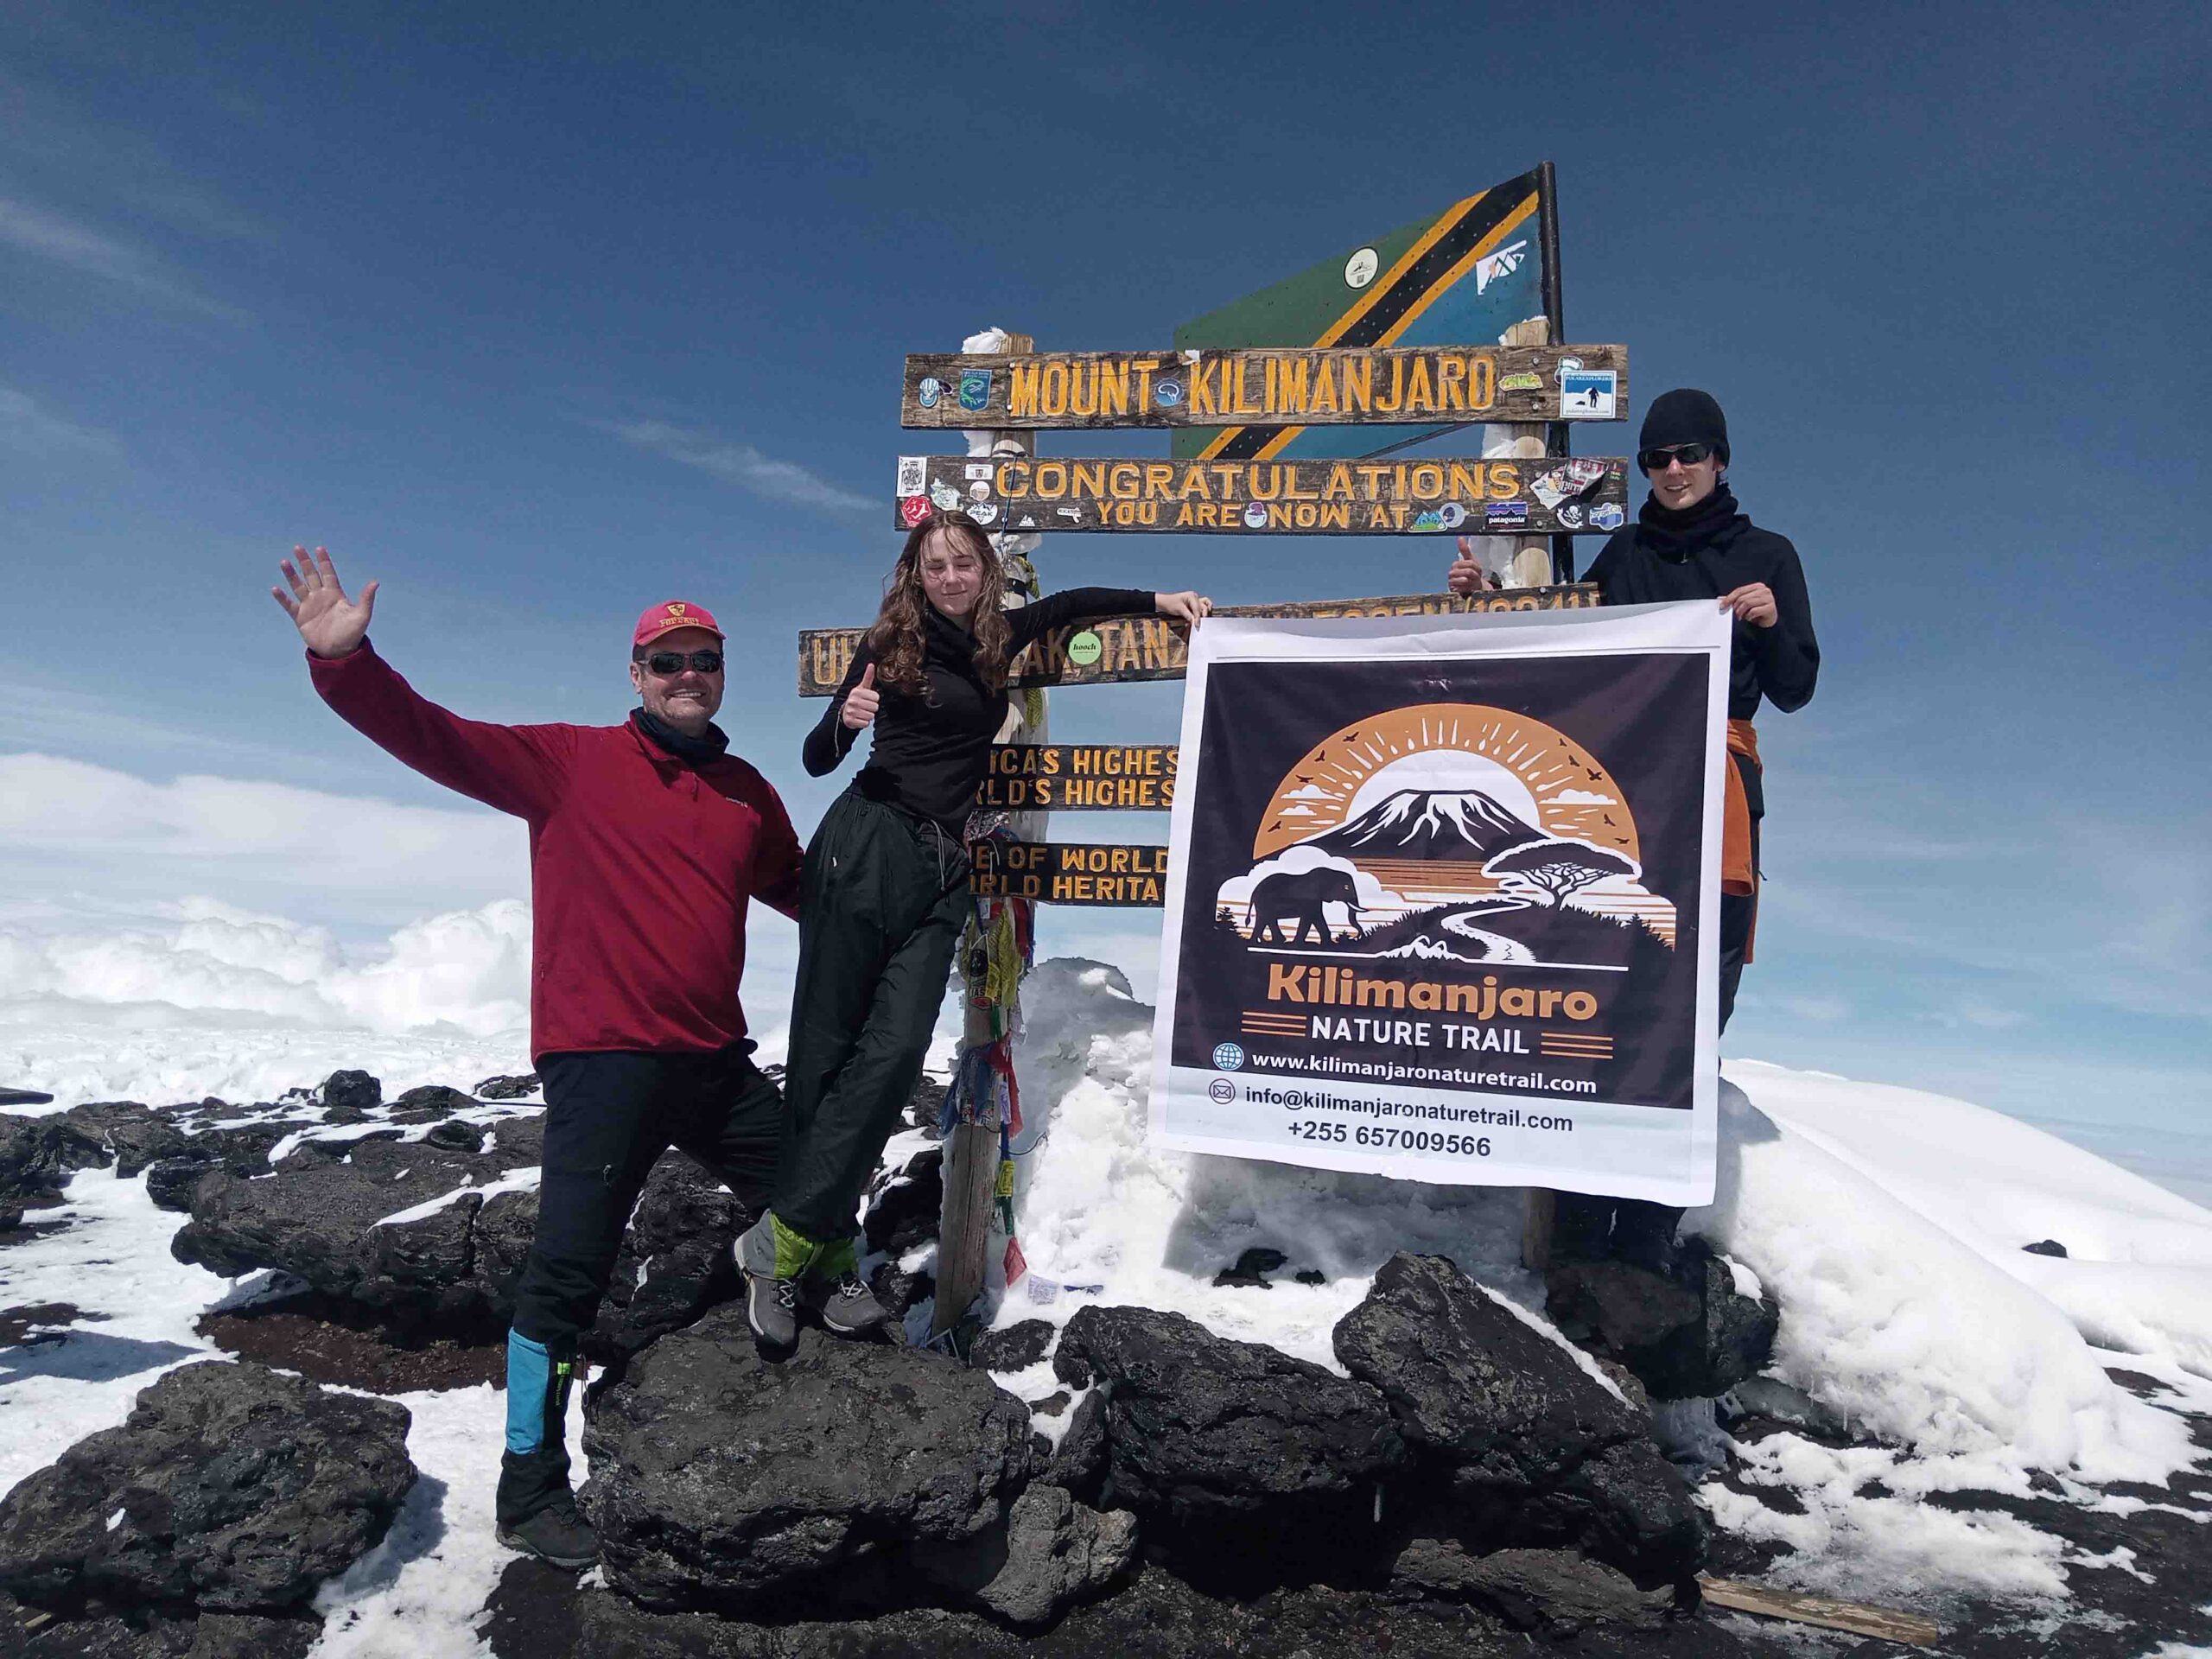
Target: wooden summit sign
[(1122, 648), (1443, 495), (1079, 778), (1317, 386), (1069, 872)]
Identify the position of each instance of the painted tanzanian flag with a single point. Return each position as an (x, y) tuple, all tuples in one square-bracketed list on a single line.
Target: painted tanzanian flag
[(1461, 278)]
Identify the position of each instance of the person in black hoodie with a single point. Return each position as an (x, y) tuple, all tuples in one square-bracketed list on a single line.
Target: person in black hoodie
[(884, 896), (1691, 541)]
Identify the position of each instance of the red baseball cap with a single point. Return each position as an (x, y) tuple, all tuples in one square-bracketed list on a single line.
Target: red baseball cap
[(670, 615)]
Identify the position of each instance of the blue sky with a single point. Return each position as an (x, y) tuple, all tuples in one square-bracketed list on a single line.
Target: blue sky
[(542, 313)]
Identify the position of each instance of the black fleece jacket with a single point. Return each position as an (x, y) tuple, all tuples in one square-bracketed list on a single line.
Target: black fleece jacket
[(1707, 552), (931, 751)]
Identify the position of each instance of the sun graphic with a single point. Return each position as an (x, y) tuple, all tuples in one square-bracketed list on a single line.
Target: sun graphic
[(1527, 767)]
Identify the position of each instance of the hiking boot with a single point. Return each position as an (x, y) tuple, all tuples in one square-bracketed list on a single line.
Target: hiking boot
[(772, 1309), (555, 1533), (537, 1513), (774, 1260), (847, 1306)]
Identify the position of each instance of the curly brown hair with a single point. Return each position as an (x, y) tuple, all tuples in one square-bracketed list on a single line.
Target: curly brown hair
[(896, 639)]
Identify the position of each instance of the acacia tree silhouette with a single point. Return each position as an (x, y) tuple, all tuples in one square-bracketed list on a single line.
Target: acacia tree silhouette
[(1548, 871)]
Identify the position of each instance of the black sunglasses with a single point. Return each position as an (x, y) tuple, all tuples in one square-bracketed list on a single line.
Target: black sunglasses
[(1655, 461), (665, 663)]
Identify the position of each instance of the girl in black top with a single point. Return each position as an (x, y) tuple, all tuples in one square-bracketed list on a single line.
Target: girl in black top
[(884, 894)]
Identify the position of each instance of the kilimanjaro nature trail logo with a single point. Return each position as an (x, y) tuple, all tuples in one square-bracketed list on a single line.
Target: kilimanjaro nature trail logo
[(1451, 831)]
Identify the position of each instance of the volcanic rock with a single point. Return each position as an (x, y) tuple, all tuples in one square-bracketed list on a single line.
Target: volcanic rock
[(430, 1101), (507, 1088), (1556, 1590), (325, 1216), (906, 1212), (1012, 1348), (1052, 1551), (1518, 1445), (39, 1155), (347, 1097), (1250, 1269), (824, 1481), (230, 1487), (1687, 1334), (1251, 1462)]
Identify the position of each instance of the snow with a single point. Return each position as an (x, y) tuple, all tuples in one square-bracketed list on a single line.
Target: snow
[(1887, 1222)]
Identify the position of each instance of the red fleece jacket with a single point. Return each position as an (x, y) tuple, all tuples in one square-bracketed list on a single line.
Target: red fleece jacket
[(640, 868)]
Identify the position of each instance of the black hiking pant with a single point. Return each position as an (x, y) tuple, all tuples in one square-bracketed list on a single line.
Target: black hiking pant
[(883, 900), (609, 1117), (1586, 1224)]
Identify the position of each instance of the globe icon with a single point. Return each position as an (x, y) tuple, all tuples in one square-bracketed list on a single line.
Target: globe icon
[(1228, 1056)]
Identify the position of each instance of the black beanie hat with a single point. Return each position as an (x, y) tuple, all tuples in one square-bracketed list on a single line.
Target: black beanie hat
[(1685, 416)]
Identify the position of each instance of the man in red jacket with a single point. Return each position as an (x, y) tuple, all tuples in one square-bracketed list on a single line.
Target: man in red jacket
[(647, 841)]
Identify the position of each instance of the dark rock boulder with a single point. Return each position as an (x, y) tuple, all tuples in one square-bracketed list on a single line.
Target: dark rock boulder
[(429, 1103), (229, 1488), (2045, 1247), (1517, 1445), (507, 1088), (1078, 1462), (325, 1216), (720, 1479), (899, 1291), (348, 1096), (1052, 1552), (156, 1633), (1012, 1348), (242, 1149), (906, 1210), (1251, 1271), (1688, 1333), (39, 1155), (675, 1262), (137, 1135), (1243, 1461), (1558, 1592)]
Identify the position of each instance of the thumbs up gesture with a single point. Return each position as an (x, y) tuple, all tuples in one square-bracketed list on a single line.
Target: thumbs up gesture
[(862, 702)]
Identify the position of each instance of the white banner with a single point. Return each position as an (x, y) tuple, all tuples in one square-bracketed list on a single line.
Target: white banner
[(1443, 898)]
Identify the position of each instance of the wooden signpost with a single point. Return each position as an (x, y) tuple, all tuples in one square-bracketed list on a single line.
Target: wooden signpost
[(1320, 386), (1124, 648), (1070, 872), (1080, 777), (1440, 324), (1440, 495)]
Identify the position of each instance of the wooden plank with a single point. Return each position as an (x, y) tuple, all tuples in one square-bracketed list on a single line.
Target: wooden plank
[(1117, 650), (1070, 873), (971, 1152), (1080, 777), (1312, 387), (1539, 1210), (1526, 560), (972, 1171), (1405, 495), (1855, 1617)]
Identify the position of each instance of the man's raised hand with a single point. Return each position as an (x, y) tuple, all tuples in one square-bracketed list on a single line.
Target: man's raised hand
[(861, 701), (330, 623)]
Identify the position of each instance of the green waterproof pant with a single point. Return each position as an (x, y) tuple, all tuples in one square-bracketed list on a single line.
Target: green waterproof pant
[(883, 900)]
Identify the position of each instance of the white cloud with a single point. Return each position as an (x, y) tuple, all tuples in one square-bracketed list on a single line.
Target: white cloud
[(1583, 797), (738, 463), (61, 241), (28, 429), (67, 826)]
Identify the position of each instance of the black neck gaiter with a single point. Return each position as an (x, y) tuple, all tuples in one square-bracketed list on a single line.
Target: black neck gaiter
[(693, 752), (1680, 535)]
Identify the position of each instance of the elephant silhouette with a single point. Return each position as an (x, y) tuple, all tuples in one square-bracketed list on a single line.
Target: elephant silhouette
[(1298, 896)]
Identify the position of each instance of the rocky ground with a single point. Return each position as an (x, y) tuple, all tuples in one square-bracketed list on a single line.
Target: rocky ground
[(1472, 1482)]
